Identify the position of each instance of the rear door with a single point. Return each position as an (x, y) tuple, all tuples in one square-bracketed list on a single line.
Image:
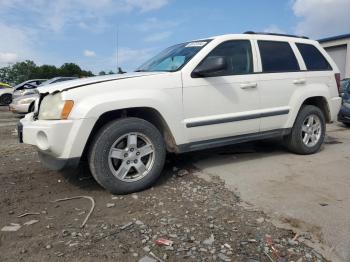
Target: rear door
[(280, 76)]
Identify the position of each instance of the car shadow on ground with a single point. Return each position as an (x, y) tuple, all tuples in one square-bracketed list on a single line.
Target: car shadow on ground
[(239, 153), (82, 177)]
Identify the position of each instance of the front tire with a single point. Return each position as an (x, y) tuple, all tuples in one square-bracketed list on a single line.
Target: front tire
[(127, 155), (308, 132), (5, 99)]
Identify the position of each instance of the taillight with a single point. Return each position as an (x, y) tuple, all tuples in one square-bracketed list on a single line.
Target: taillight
[(337, 79)]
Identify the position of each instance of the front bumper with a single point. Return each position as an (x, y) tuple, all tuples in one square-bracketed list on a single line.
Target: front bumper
[(60, 143), (51, 162), (47, 135), (19, 108)]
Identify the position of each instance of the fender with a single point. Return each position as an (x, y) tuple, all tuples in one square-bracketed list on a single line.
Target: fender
[(165, 97)]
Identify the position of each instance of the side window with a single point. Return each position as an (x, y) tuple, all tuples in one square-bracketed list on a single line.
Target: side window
[(238, 55), (313, 58), (277, 57)]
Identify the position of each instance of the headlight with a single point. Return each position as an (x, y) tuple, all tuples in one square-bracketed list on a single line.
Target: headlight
[(53, 107)]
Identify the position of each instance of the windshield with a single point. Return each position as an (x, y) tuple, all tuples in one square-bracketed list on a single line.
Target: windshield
[(173, 58)]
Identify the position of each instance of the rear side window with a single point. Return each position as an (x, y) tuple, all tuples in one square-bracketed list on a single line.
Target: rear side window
[(313, 58), (277, 57)]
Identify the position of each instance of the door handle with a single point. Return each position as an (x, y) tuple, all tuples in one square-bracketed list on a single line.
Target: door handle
[(248, 85), (299, 81)]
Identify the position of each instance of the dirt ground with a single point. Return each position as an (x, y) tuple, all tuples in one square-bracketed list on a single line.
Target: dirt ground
[(205, 221)]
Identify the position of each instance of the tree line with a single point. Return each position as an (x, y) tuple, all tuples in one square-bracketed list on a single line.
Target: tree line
[(22, 71)]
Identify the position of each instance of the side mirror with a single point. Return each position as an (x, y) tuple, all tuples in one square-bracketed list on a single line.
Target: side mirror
[(210, 65)]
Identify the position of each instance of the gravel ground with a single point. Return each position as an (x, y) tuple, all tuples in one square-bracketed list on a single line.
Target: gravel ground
[(203, 221)]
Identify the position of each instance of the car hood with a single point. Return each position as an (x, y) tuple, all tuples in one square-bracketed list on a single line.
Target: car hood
[(67, 85), (6, 91)]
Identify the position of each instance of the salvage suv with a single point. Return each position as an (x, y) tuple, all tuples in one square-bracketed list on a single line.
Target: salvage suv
[(196, 95)]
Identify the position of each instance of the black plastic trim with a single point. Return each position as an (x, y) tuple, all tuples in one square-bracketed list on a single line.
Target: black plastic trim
[(20, 132), (194, 146), (236, 118), (58, 164)]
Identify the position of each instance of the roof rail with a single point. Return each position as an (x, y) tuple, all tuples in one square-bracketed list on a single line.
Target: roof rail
[(265, 33)]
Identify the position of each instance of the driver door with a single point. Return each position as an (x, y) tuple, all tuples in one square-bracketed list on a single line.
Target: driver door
[(225, 103)]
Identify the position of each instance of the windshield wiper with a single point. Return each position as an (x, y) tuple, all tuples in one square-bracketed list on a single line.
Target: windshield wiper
[(141, 70)]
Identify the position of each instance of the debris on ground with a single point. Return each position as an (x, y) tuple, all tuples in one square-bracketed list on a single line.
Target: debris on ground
[(79, 197), (12, 228), (209, 241), (164, 242), (31, 222), (28, 214), (182, 173), (147, 259), (126, 226)]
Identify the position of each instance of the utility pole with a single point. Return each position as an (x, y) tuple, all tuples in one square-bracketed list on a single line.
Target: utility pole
[(117, 48)]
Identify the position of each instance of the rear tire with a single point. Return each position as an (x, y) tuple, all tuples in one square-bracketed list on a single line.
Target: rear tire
[(308, 132), (127, 155), (6, 99)]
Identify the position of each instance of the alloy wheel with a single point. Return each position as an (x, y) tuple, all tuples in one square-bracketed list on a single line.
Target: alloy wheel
[(131, 157), (311, 130)]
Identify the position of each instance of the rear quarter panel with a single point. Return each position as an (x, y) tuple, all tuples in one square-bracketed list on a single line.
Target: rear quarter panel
[(319, 84)]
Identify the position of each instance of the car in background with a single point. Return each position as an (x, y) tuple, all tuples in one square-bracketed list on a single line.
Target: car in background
[(57, 80), (4, 85), (5, 94), (25, 103), (26, 87), (344, 88), (344, 113)]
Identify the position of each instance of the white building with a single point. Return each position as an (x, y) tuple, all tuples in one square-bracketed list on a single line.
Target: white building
[(338, 47)]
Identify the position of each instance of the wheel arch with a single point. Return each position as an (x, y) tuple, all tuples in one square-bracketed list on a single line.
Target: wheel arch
[(317, 100), (321, 103), (146, 113)]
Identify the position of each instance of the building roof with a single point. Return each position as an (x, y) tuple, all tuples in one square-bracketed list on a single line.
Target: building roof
[(334, 38)]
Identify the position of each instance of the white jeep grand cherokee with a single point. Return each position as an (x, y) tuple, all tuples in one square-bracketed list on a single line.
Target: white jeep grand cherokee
[(195, 95)]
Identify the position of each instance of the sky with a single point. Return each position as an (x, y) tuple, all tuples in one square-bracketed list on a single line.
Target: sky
[(85, 31)]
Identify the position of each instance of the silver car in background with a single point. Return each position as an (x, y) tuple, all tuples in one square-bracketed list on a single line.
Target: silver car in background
[(23, 102), (26, 87)]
